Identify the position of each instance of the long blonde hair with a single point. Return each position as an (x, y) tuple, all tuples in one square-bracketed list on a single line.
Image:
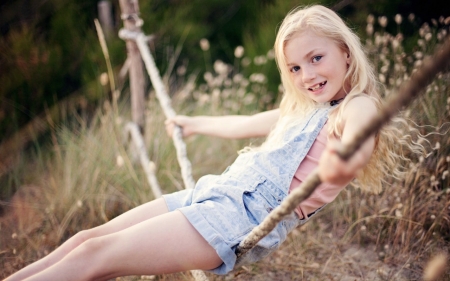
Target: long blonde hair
[(360, 79)]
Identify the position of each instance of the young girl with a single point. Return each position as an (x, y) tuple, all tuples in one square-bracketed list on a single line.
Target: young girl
[(330, 92)]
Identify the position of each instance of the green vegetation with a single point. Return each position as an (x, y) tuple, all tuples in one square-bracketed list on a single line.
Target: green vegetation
[(81, 175)]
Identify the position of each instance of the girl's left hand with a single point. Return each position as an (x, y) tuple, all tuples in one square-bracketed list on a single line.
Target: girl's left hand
[(334, 170)]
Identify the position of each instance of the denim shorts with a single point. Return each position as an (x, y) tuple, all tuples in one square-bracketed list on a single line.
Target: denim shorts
[(224, 209)]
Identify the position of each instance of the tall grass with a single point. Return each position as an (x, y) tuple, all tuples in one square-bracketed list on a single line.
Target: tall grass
[(85, 176)]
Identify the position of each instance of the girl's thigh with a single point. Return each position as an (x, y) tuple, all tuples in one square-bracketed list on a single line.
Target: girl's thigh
[(164, 244), (134, 216)]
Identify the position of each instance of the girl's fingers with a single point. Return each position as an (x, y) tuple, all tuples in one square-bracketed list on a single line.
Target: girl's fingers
[(334, 170)]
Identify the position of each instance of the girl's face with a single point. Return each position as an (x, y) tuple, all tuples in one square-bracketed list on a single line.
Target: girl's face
[(317, 66)]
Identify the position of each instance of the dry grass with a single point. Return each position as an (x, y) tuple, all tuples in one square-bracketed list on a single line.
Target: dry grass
[(87, 178)]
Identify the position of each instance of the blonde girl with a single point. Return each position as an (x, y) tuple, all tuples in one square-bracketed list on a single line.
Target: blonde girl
[(330, 92)]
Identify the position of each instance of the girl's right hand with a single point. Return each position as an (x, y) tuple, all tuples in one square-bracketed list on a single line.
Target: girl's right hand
[(185, 122)]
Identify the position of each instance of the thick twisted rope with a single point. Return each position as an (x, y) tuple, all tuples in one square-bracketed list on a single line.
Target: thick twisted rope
[(164, 100), (406, 94)]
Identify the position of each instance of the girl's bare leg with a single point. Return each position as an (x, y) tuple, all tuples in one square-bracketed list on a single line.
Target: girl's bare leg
[(127, 219), (164, 244)]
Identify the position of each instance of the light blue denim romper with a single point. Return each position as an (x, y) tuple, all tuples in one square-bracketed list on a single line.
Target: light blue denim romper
[(225, 208)]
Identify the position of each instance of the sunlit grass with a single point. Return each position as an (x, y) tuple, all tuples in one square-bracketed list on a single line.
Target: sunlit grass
[(85, 176)]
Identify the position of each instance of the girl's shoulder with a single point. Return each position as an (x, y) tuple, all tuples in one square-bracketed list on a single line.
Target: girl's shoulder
[(359, 108)]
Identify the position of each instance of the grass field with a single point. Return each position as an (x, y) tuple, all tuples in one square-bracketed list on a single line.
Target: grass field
[(83, 176)]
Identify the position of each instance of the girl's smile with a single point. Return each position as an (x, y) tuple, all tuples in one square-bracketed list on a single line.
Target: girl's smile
[(317, 65)]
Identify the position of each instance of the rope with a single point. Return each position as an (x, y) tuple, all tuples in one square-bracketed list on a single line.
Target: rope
[(164, 100), (406, 94)]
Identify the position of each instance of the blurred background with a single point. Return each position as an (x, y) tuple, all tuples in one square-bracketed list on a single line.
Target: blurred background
[(49, 48), (64, 166)]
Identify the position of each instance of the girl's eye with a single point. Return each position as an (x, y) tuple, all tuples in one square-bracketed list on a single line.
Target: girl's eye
[(316, 58), (295, 69)]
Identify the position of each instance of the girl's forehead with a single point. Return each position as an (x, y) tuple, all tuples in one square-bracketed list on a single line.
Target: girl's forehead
[(305, 40)]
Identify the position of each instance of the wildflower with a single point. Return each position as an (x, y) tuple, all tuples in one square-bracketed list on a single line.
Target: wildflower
[(411, 17), (399, 37), (383, 21), (398, 18), (238, 78), (208, 76), (395, 44), (363, 228), (421, 43), (227, 83), (378, 40), (119, 161), (271, 54), (79, 203), (370, 19), (437, 146), (384, 69), (428, 36), (382, 78), (444, 175), (432, 217), (369, 29), (245, 62), (435, 23), (104, 79), (418, 55), (14, 235), (220, 67), (391, 81), (422, 32), (258, 78), (204, 44), (181, 70), (447, 21), (260, 60), (239, 52), (398, 213)]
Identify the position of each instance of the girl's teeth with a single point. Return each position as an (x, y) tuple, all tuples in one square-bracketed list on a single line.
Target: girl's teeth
[(319, 86)]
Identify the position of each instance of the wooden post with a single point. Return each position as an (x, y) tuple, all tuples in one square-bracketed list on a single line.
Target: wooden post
[(105, 17), (132, 22)]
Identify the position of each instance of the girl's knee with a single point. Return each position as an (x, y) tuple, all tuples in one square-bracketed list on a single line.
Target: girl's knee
[(82, 237)]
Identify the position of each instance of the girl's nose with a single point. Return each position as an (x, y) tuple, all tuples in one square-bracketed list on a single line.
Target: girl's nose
[(308, 74)]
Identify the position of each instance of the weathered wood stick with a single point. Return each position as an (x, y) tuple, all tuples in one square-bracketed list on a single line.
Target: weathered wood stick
[(406, 94), (165, 102), (132, 129)]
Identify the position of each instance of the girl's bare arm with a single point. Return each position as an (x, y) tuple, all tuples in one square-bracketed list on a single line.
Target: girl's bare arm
[(332, 169), (228, 126)]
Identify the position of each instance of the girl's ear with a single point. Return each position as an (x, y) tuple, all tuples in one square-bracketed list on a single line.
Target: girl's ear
[(348, 59)]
